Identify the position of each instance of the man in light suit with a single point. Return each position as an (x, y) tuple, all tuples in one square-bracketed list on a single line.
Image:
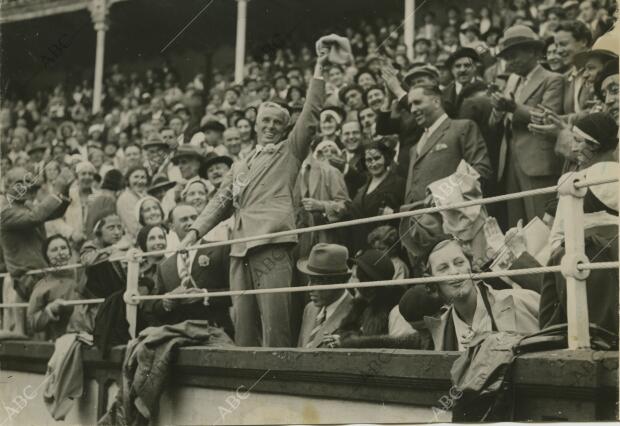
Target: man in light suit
[(474, 307), (526, 160), (442, 146), (208, 269), (327, 264), (259, 191)]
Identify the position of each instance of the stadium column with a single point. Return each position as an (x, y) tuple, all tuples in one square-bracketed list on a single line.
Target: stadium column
[(242, 9), (409, 24), (99, 15)]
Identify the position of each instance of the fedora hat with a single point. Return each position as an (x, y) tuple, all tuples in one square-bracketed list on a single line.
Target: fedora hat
[(519, 35), (154, 139), (419, 234), (376, 264), (325, 259), (160, 183), (605, 47), (188, 151), (211, 159), (464, 52)]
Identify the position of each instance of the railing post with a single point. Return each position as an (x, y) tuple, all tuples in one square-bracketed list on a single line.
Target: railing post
[(133, 273), (576, 297)]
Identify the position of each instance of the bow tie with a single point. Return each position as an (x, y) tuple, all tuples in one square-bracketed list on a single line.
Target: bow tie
[(269, 148)]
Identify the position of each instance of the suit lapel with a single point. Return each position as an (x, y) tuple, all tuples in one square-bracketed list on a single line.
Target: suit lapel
[(334, 321), (535, 80), (437, 328), (314, 178), (432, 140), (504, 312)]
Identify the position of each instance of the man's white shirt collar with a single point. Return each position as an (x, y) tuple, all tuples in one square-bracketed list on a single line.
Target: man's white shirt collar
[(430, 130)]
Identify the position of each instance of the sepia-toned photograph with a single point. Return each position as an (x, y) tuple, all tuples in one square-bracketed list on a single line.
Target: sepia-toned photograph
[(309, 212)]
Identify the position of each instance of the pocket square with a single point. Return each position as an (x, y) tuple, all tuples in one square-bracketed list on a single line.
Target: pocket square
[(440, 147)]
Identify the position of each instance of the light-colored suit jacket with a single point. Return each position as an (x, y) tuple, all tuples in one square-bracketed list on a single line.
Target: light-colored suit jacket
[(452, 141), (259, 189), (534, 153), (513, 310), (330, 325)]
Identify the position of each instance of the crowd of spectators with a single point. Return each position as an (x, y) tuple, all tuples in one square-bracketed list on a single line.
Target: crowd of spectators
[(495, 101)]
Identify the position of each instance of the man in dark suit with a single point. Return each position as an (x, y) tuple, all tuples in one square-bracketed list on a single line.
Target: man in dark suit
[(327, 264), (463, 65), (208, 269), (528, 158), (443, 145)]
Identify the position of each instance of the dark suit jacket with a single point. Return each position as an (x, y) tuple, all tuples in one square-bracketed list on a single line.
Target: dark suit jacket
[(213, 277), (452, 141), (355, 177), (389, 193)]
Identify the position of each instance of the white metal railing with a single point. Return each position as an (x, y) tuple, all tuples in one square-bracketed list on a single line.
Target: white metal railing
[(575, 266)]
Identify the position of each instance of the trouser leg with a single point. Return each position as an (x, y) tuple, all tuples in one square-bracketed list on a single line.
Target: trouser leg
[(246, 314), (272, 267)]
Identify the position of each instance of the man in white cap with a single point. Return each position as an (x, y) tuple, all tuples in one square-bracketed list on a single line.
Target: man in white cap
[(258, 191)]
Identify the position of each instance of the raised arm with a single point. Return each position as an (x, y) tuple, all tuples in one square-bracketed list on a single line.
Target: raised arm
[(305, 127)]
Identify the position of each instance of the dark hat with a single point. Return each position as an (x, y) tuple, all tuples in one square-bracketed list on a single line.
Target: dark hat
[(605, 47), (519, 35), (325, 259), (492, 30), (465, 52), (418, 303), (376, 264), (160, 183), (427, 70), (602, 197), (419, 234), (188, 151), (422, 40), (213, 125), (599, 127), (609, 69), (154, 139), (211, 159), (40, 146), (347, 89), (113, 180)]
